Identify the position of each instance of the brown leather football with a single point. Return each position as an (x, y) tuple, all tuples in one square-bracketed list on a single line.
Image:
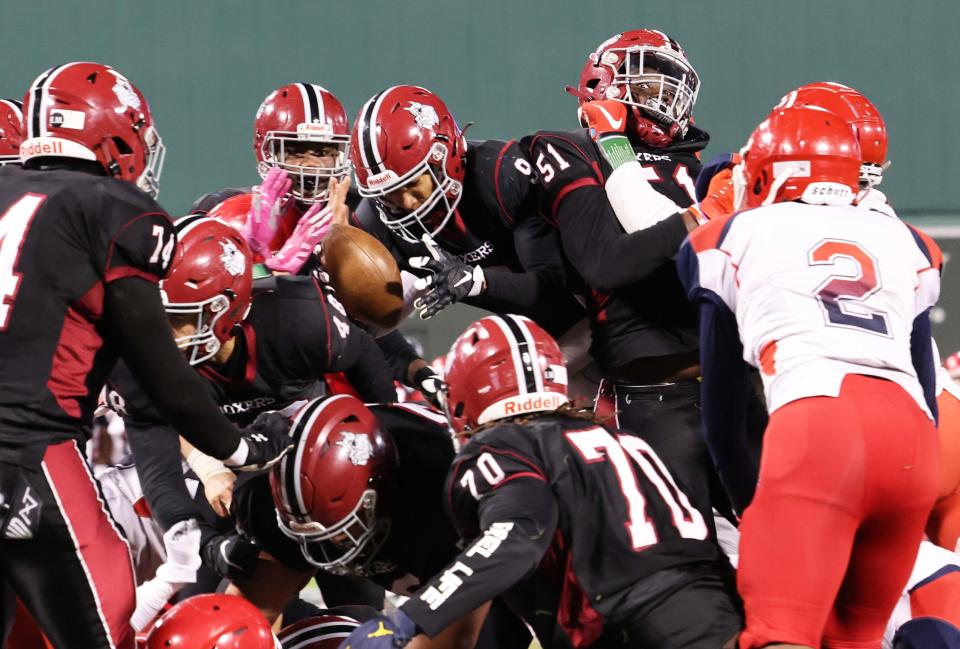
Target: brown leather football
[(365, 276)]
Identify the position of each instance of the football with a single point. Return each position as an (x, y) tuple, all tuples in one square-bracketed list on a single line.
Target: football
[(365, 276)]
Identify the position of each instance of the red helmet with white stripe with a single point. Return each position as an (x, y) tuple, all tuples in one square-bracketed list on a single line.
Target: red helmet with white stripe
[(807, 154), (649, 72), (502, 366), (298, 117), (859, 114), (213, 621), (211, 279), (401, 134), (11, 123), (318, 632), (92, 112), (332, 492)]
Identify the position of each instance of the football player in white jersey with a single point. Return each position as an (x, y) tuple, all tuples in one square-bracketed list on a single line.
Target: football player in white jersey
[(831, 303)]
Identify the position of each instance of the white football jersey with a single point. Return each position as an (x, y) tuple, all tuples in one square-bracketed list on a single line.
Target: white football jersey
[(820, 292)]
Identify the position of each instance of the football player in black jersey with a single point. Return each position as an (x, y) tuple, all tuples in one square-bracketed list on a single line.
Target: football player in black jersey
[(256, 353), (82, 248), (471, 200), (581, 527), (621, 195)]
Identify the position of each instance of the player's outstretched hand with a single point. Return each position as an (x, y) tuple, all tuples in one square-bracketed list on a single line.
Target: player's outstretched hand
[(263, 221), (310, 231), (338, 200), (262, 443), (382, 632), (603, 116), (719, 199), (430, 385), (450, 280)]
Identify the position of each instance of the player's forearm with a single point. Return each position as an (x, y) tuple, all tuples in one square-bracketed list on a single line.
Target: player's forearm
[(507, 552), (541, 295), (366, 368), (400, 356), (136, 316)]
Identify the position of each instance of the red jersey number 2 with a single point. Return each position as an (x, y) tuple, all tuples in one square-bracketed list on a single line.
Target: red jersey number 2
[(14, 225)]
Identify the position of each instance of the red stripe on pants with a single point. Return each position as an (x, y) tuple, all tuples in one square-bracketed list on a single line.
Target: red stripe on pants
[(101, 549)]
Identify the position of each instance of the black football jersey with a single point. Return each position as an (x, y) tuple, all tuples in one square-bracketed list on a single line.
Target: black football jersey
[(65, 234), (294, 334), (650, 317), (573, 518)]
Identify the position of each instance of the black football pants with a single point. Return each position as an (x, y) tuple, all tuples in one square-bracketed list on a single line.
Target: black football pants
[(70, 566)]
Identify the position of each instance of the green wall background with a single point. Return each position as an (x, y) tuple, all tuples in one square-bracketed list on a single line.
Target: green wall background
[(205, 65)]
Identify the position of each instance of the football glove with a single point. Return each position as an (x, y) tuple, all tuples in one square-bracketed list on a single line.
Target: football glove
[(182, 546), (719, 199), (430, 384), (382, 632), (263, 221), (262, 443), (603, 116), (310, 231), (450, 280), (232, 556)]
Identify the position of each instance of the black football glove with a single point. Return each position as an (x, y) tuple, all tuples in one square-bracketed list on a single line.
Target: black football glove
[(232, 556), (430, 384), (262, 443), (450, 280)]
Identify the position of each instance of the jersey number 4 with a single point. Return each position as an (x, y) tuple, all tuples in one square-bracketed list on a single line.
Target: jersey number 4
[(597, 445), (13, 230), (839, 292)]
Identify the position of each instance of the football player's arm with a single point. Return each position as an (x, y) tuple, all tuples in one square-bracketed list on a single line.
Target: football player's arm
[(330, 342), (136, 318), (725, 399), (542, 291), (921, 351), (400, 355), (518, 520), (605, 256)]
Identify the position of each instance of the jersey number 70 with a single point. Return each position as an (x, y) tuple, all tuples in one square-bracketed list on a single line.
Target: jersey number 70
[(598, 445)]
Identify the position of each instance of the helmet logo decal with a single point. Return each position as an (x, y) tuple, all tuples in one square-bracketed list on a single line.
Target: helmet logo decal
[(358, 446), (232, 258), (124, 92), (424, 114)]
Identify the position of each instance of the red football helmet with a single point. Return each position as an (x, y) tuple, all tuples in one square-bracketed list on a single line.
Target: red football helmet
[(92, 112), (319, 632), (401, 134), (859, 114), (291, 116), (11, 123), (502, 366), (210, 277), (331, 493), (213, 621), (649, 72), (807, 154), (235, 211)]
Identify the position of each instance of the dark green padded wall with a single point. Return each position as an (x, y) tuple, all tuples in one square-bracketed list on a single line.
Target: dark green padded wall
[(206, 64)]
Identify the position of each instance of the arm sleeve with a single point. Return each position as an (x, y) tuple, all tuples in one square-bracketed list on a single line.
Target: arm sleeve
[(330, 342), (156, 453), (518, 520), (921, 351), (725, 401), (398, 352), (136, 319), (542, 290), (601, 252)]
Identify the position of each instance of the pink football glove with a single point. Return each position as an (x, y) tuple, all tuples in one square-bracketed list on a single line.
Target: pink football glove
[(264, 218), (310, 231)]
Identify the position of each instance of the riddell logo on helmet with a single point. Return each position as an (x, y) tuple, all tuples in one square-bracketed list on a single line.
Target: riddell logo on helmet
[(533, 404), (28, 150), (381, 179)]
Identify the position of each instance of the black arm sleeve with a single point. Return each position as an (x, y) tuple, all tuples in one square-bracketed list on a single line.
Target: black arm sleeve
[(398, 352), (518, 520), (366, 368), (605, 256), (542, 292), (135, 316)]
